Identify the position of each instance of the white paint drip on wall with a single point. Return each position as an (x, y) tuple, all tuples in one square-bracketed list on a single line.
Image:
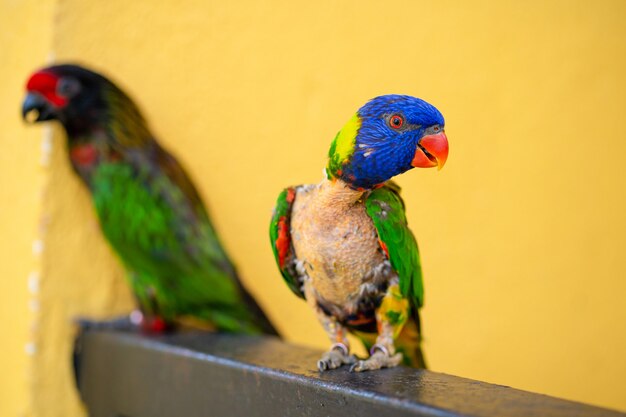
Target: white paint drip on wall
[(33, 305), (30, 348), (37, 247), (46, 146), (34, 279), (33, 282)]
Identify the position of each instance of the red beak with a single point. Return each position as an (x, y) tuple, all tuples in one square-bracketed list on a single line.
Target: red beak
[(432, 151)]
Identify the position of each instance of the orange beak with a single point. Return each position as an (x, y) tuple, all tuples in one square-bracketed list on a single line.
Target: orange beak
[(432, 151)]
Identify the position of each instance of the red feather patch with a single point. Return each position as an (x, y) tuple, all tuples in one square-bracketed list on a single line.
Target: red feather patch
[(45, 84), (384, 247), (84, 155), (284, 240), (154, 325)]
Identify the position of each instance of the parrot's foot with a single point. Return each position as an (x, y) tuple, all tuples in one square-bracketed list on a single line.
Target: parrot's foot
[(337, 356), (380, 358)]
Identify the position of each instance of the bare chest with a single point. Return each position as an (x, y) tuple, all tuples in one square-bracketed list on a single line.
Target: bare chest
[(337, 244)]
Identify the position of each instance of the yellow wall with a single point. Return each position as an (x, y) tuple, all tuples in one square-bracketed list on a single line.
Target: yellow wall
[(521, 234), (24, 41)]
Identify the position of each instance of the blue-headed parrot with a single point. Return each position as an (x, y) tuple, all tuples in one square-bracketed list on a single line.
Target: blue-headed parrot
[(344, 244)]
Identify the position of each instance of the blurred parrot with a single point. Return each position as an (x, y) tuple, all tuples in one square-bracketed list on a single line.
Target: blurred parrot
[(344, 245), (149, 210)]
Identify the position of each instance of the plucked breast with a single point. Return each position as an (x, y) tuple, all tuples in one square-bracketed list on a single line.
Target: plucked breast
[(337, 243)]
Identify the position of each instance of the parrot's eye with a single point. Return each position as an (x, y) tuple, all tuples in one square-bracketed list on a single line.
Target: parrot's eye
[(396, 121), (436, 128), (68, 87)]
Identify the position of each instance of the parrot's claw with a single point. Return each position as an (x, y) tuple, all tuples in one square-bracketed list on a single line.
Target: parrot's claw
[(377, 360), (334, 358)]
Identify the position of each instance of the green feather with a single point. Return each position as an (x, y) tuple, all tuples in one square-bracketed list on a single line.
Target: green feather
[(176, 264), (386, 209), (282, 217)]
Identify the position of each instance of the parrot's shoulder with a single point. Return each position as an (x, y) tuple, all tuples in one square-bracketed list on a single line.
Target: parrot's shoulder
[(280, 238)]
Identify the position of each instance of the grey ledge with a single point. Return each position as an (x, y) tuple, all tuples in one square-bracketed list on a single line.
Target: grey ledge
[(201, 374)]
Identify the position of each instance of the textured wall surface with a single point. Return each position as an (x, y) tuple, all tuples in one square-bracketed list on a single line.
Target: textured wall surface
[(521, 234)]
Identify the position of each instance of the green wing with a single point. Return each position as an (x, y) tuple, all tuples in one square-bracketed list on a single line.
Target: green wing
[(280, 238), (168, 248), (386, 209), (163, 235)]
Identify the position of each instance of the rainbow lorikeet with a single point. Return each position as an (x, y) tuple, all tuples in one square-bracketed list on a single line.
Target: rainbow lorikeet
[(149, 209), (344, 244)]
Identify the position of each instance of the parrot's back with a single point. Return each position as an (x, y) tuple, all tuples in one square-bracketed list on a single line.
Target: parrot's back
[(155, 220)]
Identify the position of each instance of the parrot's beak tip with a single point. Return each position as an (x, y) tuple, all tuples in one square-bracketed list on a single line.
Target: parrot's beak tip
[(30, 116)]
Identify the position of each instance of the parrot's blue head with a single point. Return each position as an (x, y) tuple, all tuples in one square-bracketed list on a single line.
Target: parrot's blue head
[(386, 137)]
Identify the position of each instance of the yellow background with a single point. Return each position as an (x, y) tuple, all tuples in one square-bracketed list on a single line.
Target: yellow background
[(522, 234)]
